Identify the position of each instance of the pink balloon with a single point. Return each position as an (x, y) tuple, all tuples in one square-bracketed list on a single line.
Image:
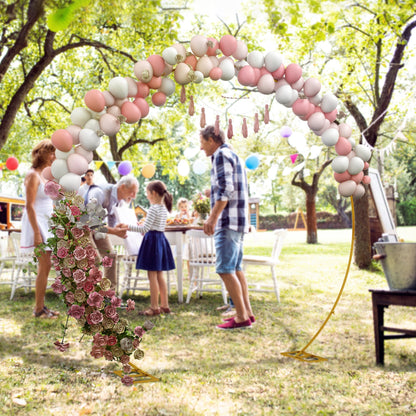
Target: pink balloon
[(109, 98), (87, 154), (257, 76), (358, 177), (293, 72), (228, 45), (366, 165), (109, 124), (316, 121), (95, 100), (311, 87), (278, 74), (142, 90), (342, 177), (191, 60), (241, 51), (74, 132), (158, 64), (62, 140), (155, 83), (264, 71), (246, 76), (131, 112), (77, 164), (311, 111), (114, 110), (143, 106), (301, 107), (47, 174), (213, 46), (343, 147), (366, 180), (215, 74), (332, 115), (159, 98)]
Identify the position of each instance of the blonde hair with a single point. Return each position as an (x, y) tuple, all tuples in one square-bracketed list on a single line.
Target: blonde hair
[(41, 152)]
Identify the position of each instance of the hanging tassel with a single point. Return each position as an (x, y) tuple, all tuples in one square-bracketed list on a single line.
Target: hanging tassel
[(266, 115), (230, 133), (183, 94), (244, 128), (202, 120), (191, 110), (217, 125), (256, 122)]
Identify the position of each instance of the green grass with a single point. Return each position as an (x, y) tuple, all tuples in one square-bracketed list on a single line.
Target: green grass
[(205, 371)]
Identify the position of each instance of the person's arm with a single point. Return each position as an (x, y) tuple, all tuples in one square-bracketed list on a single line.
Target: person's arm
[(150, 219), (32, 184), (120, 230), (210, 223)]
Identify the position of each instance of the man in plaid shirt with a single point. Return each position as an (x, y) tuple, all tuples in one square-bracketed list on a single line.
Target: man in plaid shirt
[(228, 222)]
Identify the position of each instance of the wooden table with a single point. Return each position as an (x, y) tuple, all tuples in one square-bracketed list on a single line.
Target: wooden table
[(383, 299), (175, 235)]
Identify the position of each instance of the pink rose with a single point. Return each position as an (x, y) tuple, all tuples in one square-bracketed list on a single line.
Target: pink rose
[(76, 311), (139, 331), (110, 311), (108, 355), (97, 352), (126, 369), (127, 380), (69, 297), (57, 286), (75, 211), (124, 359), (130, 305), (60, 346), (77, 232), (52, 190), (107, 261), (62, 252), (95, 299), (95, 318), (111, 340), (66, 271), (91, 253), (88, 286), (100, 340), (79, 253), (116, 302), (60, 233), (79, 276), (136, 343)]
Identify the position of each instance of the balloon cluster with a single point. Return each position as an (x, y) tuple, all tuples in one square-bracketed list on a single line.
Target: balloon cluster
[(127, 101)]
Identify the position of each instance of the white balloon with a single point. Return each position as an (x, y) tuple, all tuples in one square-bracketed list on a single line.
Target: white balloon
[(239, 64), (199, 167), (119, 87), (80, 116), (298, 85), (363, 152), (86, 153), (329, 103), (359, 191), (351, 140), (77, 164), (255, 59), (330, 137), (199, 45), (92, 124), (169, 55), (227, 68), (63, 155), (295, 96), (316, 121), (323, 129), (340, 164), (89, 139), (347, 188), (316, 99), (198, 77), (355, 166), (167, 86), (183, 167), (70, 182), (272, 61), (345, 130), (284, 94), (59, 168), (266, 84), (132, 87)]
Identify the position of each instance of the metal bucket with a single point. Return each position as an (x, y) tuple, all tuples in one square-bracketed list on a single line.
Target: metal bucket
[(399, 264)]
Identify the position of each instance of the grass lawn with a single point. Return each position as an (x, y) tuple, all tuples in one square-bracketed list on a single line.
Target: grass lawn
[(205, 371)]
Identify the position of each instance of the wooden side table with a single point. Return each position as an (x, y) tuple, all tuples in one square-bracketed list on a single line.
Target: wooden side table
[(383, 299)]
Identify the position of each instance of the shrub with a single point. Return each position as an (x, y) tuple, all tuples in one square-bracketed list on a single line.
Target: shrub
[(407, 211)]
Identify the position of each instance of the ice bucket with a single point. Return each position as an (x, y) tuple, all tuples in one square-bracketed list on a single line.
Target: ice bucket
[(399, 264)]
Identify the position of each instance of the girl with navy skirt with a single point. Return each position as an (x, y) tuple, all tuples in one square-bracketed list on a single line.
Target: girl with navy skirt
[(155, 254)]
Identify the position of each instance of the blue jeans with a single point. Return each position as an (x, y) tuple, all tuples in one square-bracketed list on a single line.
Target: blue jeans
[(229, 250)]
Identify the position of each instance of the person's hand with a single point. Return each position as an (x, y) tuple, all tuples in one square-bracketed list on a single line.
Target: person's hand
[(121, 230), (37, 239), (207, 192), (209, 226)]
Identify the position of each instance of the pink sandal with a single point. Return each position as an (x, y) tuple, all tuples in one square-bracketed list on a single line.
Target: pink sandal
[(150, 312)]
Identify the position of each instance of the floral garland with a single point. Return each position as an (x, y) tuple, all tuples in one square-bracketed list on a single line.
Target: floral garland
[(80, 281)]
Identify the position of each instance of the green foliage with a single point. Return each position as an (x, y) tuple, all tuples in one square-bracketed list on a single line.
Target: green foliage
[(407, 211)]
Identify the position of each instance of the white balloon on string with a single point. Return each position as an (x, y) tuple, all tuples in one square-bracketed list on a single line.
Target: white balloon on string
[(199, 167), (183, 167)]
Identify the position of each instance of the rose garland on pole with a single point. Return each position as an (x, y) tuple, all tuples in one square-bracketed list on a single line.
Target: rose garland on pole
[(80, 282)]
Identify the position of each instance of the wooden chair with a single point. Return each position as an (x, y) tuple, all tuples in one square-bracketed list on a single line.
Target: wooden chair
[(201, 262), (272, 262)]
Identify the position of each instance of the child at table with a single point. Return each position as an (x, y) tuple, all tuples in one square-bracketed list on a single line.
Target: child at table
[(183, 209), (155, 254)]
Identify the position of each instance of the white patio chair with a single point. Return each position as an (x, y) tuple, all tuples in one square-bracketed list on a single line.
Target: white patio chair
[(201, 263), (272, 262), (7, 259)]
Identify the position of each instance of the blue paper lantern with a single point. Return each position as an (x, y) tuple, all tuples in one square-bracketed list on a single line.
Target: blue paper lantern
[(252, 162), (124, 168)]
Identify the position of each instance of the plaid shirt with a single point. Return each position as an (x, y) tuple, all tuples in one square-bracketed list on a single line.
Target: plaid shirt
[(229, 183)]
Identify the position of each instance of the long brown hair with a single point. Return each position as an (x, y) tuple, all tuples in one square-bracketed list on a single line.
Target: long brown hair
[(41, 152), (160, 188)]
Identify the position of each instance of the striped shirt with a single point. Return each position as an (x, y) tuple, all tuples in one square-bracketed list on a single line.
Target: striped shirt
[(155, 220), (229, 183)]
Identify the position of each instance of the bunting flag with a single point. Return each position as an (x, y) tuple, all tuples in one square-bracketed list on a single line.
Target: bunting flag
[(293, 157), (110, 164), (98, 164)]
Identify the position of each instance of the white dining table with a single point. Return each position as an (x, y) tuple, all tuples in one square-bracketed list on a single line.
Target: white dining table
[(176, 237)]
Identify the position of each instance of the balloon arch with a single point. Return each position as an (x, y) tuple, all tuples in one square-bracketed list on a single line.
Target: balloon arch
[(125, 101)]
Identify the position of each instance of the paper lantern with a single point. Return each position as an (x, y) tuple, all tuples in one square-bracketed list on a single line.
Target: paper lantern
[(124, 168), (252, 162), (148, 171)]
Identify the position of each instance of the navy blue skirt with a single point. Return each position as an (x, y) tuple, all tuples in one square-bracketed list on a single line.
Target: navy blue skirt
[(155, 253)]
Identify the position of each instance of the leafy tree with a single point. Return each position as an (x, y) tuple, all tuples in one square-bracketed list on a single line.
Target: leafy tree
[(359, 48)]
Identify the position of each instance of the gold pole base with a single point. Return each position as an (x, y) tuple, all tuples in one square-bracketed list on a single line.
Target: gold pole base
[(303, 356), (138, 376)]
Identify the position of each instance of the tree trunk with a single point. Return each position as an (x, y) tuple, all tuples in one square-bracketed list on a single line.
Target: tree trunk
[(311, 224), (362, 242)]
